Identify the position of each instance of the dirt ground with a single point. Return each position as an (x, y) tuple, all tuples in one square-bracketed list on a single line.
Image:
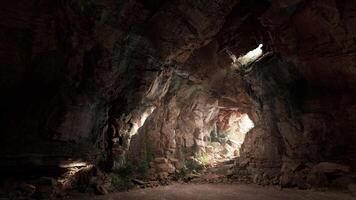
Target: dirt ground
[(219, 192)]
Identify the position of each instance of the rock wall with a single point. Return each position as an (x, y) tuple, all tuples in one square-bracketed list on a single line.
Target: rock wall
[(305, 119), (71, 69), (112, 82), (290, 138)]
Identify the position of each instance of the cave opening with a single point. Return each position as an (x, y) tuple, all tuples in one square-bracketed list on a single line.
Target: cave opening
[(245, 60), (231, 131)]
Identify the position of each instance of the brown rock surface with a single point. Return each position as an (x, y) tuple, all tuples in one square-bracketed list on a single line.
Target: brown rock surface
[(151, 85)]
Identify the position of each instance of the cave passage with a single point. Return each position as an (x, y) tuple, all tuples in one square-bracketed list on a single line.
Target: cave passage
[(101, 97)]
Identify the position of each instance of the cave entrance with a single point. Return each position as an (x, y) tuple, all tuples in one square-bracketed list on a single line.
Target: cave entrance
[(243, 62), (197, 127), (226, 138), (231, 131), (222, 146), (232, 125)]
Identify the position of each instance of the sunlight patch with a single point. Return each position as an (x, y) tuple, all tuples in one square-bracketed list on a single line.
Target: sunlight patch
[(226, 138), (246, 59), (138, 124), (240, 124)]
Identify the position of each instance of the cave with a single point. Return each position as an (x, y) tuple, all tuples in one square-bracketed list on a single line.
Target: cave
[(158, 99)]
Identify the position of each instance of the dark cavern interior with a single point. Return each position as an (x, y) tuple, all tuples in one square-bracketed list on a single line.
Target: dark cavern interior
[(178, 99)]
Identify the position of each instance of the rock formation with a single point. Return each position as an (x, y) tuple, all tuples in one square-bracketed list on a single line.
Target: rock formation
[(151, 84)]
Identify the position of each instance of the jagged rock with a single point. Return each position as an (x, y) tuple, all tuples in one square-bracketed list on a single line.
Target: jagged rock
[(318, 175), (242, 163), (101, 190), (199, 143), (163, 175), (165, 167), (328, 167), (161, 160), (178, 164), (317, 180), (23, 191), (139, 182)]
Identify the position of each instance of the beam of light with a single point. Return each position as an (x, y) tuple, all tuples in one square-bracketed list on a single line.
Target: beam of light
[(141, 120), (74, 164), (246, 59)]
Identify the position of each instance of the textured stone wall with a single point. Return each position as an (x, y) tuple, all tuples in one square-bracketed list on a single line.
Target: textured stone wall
[(118, 81), (71, 69)]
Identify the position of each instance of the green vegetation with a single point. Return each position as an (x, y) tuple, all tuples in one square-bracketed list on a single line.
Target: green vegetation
[(193, 165), (121, 183), (142, 168), (180, 175), (101, 161), (121, 178), (144, 165), (204, 159)]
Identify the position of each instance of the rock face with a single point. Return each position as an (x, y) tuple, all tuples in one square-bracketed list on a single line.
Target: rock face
[(287, 141), (65, 64), (150, 83), (306, 117)]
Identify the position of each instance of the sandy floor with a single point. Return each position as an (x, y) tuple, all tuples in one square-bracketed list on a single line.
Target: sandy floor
[(219, 192)]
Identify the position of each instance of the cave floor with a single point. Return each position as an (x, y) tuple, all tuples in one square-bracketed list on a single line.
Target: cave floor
[(220, 192)]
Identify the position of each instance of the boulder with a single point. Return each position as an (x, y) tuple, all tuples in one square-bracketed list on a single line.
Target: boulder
[(101, 190), (328, 167), (165, 167), (162, 175), (199, 143), (160, 160)]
